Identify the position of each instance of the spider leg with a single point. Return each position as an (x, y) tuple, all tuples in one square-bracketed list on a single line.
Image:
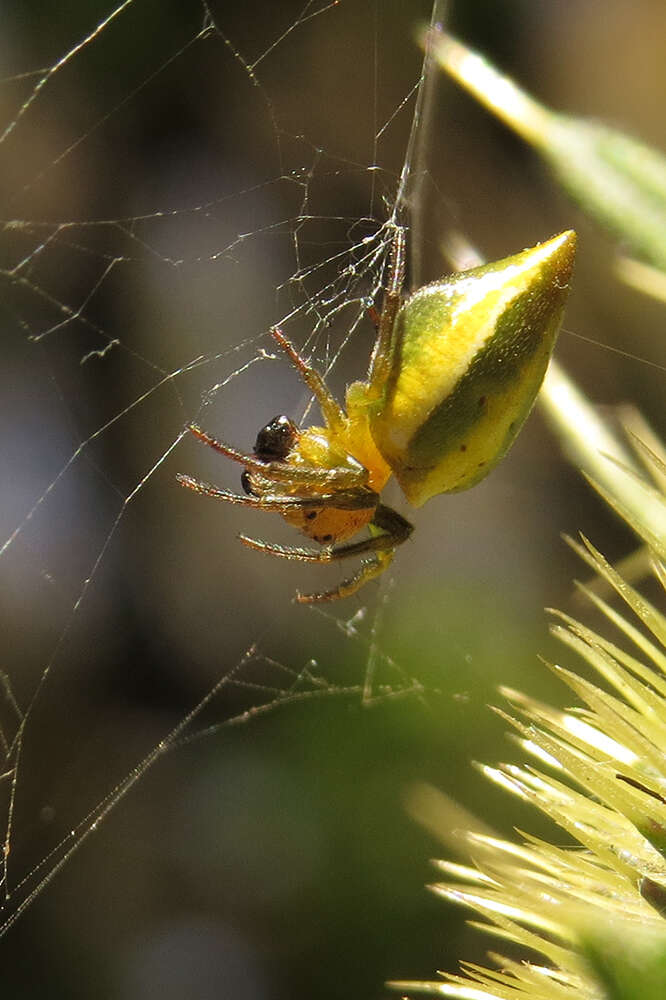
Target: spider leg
[(369, 569), (344, 500), (332, 554), (397, 530), (330, 408), (381, 354), (339, 476), (374, 316)]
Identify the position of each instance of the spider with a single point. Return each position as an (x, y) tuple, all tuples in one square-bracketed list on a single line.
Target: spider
[(453, 375), (325, 480)]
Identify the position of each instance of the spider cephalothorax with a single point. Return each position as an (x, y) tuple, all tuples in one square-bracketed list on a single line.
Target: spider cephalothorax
[(453, 375)]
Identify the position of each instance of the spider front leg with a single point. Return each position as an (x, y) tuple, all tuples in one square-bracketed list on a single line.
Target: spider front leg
[(350, 476), (330, 408), (280, 504)]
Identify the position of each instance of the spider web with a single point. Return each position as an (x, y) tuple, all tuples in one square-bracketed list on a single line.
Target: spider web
[(175, 183), (141, 275)]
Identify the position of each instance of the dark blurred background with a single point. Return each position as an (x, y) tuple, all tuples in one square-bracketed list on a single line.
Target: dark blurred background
[(160, 190)]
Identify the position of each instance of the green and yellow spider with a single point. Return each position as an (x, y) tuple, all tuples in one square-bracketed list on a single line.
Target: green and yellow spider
[(454, 372)]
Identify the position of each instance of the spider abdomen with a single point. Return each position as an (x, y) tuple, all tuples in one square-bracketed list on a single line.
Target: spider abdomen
[(467, 358)]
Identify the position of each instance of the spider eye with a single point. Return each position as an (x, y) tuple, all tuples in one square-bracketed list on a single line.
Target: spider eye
[(276, 439), (246, 483)]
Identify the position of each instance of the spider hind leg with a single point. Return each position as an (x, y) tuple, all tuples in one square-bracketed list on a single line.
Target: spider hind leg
[(391, 530), (368, 570)]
